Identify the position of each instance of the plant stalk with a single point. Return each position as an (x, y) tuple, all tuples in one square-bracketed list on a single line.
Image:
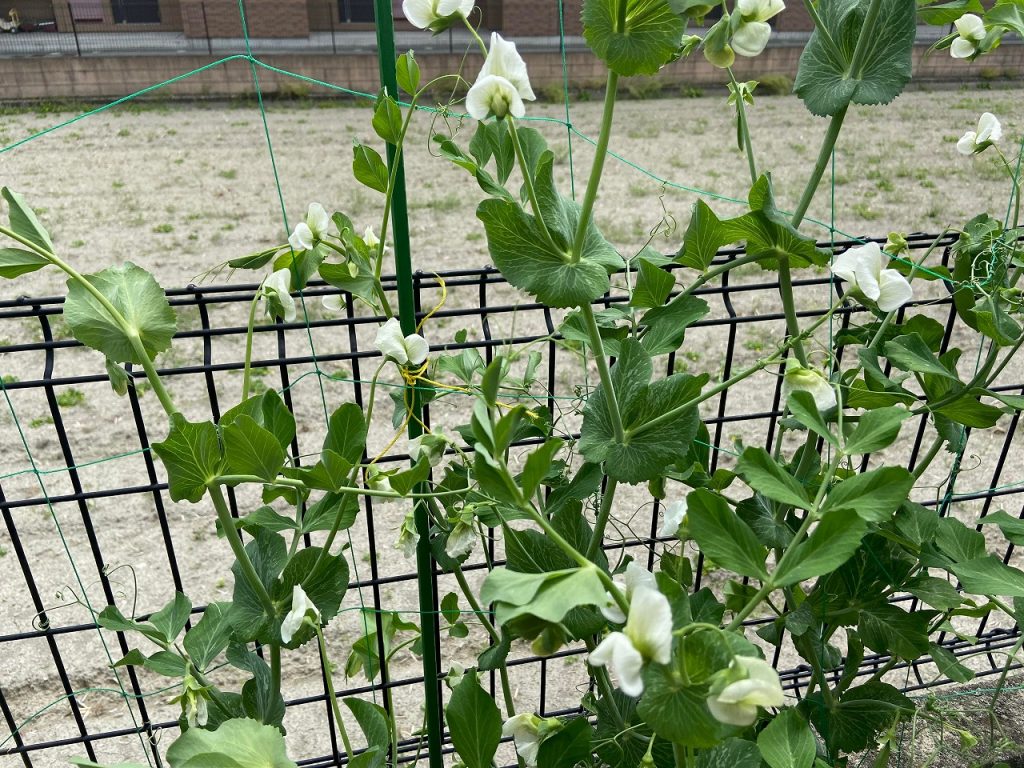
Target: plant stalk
[(227, 523)]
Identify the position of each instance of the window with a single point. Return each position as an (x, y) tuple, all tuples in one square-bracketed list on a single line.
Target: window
[(360, 11)]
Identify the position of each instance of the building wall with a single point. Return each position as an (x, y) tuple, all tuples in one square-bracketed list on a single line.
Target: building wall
[(38, 78), (265, 18), (60, 11)]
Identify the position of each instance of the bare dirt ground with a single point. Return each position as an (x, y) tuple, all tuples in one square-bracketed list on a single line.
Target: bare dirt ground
[(180, 189)]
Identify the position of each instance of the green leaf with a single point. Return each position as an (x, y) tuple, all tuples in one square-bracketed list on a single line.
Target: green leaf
[(569, 747), (238, 743), (538, 464), (936, 592), (387, 119), (24, 222), (373, 722), (408, 72), (137, 297), (268, 411), (948, 665), (723, 537), (971, 412), (191, 456), (769, 234), (268, 554), (321, 516), (876, 430), (959, 542), (1012, 527), (677, 712), (346, 433), (162, 662), (911, 353), (887, 629), (249, 449), (171, 619), (825, 80), (665, 327), (556, 594), (944, 14), (403, 482), (474, 722), (645, 451), (544, 267), (368, 167), (653, 285), (860, 715), (731, 753), (260, 700), (648, 41), (804, 410), (787, 741), (873, 495), (15, 262), (210, 636), (762, 473), (990, 576), (833, 542), (702, 240)]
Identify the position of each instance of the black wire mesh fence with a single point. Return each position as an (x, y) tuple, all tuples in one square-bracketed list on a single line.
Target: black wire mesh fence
[(85, 508)]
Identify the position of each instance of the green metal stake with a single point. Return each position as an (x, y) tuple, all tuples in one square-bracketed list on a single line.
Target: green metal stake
[(407, 316)]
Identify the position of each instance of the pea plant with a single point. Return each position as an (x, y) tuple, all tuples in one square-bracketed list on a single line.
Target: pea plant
[(806, 538)]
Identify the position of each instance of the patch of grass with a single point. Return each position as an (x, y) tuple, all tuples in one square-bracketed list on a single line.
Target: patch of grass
[(118, 185), (123, 133), (864, 211), (228, 174), (775, 85), (163, 229), (9, 378), (42, 421), (70, 398)]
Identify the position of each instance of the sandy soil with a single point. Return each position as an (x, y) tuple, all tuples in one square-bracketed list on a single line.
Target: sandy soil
[(181, 189)]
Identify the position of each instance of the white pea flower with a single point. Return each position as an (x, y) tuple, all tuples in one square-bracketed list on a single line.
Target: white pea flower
[(647, 636), (404, 350), (502, 85), (749, 683), (988, 133), (302, 607), (371, 240), (408, 537), (800, 379), (970, 32), (753, 32), (309, 232), (674, 514), (275, 295), (528, 731), (433, 14), (460, 541), (636, 577), (862, 268), (430, 445)]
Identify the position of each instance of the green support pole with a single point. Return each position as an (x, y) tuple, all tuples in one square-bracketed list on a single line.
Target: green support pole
[(407, 316)]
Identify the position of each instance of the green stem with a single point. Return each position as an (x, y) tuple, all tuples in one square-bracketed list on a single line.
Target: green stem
[(227, 524), (247, 368), (476, 35), (789, 308), (744, 128), (928, 458), (603, 371), (275, 668), (601, 150), (130, 333), (485, 622), (329, 678), (679, 752), (821, 29), (531, 191), (601, 523), (711, 274)]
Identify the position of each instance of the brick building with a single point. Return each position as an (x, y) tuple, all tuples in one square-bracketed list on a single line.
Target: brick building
[(300, 18)]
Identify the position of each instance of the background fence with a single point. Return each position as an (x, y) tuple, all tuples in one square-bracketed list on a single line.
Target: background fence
[(88, 500)]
